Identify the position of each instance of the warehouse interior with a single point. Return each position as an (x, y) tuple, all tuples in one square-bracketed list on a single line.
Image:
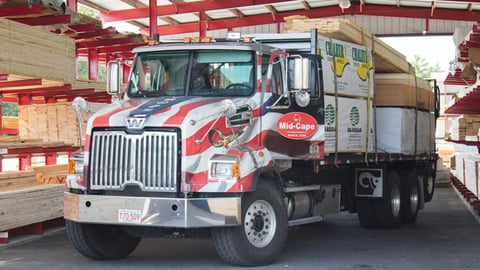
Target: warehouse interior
[(52, 51)]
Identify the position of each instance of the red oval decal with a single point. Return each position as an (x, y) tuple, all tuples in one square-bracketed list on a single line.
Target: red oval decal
[(297, 125)]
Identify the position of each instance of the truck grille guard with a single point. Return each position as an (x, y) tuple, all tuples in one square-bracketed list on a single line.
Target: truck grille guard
[(149, 160)]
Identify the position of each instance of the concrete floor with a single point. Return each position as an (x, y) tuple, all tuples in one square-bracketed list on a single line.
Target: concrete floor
[(445, 236)]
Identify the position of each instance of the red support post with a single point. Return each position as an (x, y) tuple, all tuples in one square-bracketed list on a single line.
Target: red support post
[(202, 25), (1, 163), (153, 17), (24, 99), (126, 72), (72, 4), (50, 158), (24, 161), (93, 64)]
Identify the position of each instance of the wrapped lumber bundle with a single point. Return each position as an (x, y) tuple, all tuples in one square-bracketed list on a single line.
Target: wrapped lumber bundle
[(51, 174), (32, 52), (403, 90), (386, 58), (464, 128), (471, 173), (9, 179), (396, 131)]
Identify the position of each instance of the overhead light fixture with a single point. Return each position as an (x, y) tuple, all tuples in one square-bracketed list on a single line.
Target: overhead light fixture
[(344, 4)]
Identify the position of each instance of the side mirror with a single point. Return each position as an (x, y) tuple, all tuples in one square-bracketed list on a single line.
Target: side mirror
[(113, 77), (301, 68)]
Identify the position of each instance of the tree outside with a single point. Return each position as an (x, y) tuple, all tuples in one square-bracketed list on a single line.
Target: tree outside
[(423, 69)]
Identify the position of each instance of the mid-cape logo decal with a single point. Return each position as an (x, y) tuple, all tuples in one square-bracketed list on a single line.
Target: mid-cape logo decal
[(297, 125)]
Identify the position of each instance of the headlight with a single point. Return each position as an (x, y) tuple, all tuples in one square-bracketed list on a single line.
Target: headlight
[(224, 167), (75, 163)]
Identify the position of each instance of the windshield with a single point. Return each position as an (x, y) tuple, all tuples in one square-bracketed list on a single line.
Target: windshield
[(194, 73)]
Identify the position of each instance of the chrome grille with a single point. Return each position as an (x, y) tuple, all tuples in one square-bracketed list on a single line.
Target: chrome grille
[(148, 160)]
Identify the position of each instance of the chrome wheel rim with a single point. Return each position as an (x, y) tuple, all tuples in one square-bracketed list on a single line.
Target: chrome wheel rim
[(414, 197), (260, 223), (395, 197)]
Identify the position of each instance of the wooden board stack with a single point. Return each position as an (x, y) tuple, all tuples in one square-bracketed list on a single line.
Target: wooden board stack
[(33, 52), (464, 128), (24, 202), (51, 174), (51, 122), (386, 58)]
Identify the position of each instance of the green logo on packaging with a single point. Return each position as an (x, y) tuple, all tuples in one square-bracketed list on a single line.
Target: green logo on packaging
[(330, 114), (337, 48), (359, 55), (354, 116)]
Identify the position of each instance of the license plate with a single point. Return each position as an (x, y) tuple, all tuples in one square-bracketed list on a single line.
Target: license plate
[(129, 216)]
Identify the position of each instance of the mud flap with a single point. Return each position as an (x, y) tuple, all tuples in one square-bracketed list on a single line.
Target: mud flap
[(369, 182)]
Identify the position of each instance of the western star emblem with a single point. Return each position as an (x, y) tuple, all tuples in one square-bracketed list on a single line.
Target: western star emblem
[(135, 122)]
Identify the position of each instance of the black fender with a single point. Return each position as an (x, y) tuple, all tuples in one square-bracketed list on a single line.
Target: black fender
[(269, 173)]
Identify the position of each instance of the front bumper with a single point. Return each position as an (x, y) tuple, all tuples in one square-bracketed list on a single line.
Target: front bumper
[(153, 211)]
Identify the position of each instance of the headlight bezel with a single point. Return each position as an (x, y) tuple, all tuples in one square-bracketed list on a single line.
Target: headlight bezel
[(224, 167)]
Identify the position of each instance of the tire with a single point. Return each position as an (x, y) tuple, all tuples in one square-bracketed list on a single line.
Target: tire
[(389, 209), (411, 196), (366, 213), (263, 211), (101, 242), (429, 186)]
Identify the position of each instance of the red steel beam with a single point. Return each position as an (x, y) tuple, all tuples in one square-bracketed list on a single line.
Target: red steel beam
[(92, 64), (105, 42), (102, 32), (113, 49), (82, 27), (19, 11), (179, 8), (47, 20), (372, 10), (63, 93), (3, 77), (32, 90), (17, 83)]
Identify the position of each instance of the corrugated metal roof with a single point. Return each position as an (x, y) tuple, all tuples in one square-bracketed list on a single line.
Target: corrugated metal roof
[(222, 9)]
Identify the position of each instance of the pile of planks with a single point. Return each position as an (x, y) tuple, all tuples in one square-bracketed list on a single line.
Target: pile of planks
[(32, 52), (467, 170), (24, 202), (51, 122), (51, 174), (386, 59), (464, 128)]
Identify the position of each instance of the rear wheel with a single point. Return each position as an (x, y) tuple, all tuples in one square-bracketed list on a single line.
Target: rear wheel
[(263, 232), (389, 210), (101, 242), (411, 196)]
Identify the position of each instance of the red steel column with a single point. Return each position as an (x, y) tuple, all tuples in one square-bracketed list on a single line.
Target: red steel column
[(203, 26), (24, 161), (153, 17), (72, 4), (93, 64), (50, 158)]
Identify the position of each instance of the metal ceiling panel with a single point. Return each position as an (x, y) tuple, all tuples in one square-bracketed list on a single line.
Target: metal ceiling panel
[(287, 6)]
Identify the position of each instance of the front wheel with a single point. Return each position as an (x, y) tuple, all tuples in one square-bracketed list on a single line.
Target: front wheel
[(101, 242), (263, 232)]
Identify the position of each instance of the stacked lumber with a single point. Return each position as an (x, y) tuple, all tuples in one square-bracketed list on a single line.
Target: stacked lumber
[(32, 52), (386, 58), (464, 128), (51, 122), (403, 90), (26, 204), (9, 179), (51, 174)]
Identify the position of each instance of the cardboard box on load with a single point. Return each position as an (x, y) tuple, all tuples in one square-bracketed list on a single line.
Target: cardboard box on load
[(398, 90), (396, 131), (353, 65), (352, 125)]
